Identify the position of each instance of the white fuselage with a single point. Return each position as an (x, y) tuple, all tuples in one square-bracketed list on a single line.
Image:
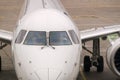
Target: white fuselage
[(45, 62)]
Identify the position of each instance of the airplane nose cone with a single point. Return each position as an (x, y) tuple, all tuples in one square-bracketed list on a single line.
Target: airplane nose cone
[(48, 74)]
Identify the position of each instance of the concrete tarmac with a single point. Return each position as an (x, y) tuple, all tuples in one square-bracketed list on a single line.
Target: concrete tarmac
[(85, 13)]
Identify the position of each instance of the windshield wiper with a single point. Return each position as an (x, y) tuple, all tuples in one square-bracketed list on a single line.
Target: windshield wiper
[(52, 47), (48, 44)]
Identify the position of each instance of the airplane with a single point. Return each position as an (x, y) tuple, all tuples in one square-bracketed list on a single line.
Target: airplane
[(47, 45)]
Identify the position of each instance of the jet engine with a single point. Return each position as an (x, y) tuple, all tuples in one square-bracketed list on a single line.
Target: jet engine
[(113, 57)]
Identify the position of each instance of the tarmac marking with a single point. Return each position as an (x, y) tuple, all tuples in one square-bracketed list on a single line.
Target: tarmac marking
[(75, 17), (84, 16), (82, 74), (9, 8)]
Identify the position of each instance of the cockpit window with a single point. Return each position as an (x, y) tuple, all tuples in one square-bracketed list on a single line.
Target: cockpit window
[(36, 38), (59, 38), (74, 36), (20, 36)]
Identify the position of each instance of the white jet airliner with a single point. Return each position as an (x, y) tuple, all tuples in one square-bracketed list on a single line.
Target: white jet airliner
[(46, 44)]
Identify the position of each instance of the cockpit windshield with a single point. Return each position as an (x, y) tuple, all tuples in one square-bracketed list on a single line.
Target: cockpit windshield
[(36, 38), (54, 38), (59, 38)]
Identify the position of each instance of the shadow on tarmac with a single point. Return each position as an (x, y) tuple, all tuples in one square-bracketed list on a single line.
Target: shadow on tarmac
[(8, 75)]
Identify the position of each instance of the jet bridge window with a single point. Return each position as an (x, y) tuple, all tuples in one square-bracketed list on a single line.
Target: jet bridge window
[(36, 38), (74, 36), (59, 38), (20, 36)]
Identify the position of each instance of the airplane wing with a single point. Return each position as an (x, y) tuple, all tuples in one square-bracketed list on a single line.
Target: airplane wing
[(90, 34), (6, 36)]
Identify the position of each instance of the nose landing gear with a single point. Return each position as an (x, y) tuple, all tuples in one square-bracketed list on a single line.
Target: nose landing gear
[(2, 45), (100, 66), (87, 63), (96, 60)]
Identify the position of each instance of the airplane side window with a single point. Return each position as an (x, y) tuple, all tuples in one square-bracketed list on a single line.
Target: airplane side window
[(74, 36), (59, 38), (35, 38), (20, 36)]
